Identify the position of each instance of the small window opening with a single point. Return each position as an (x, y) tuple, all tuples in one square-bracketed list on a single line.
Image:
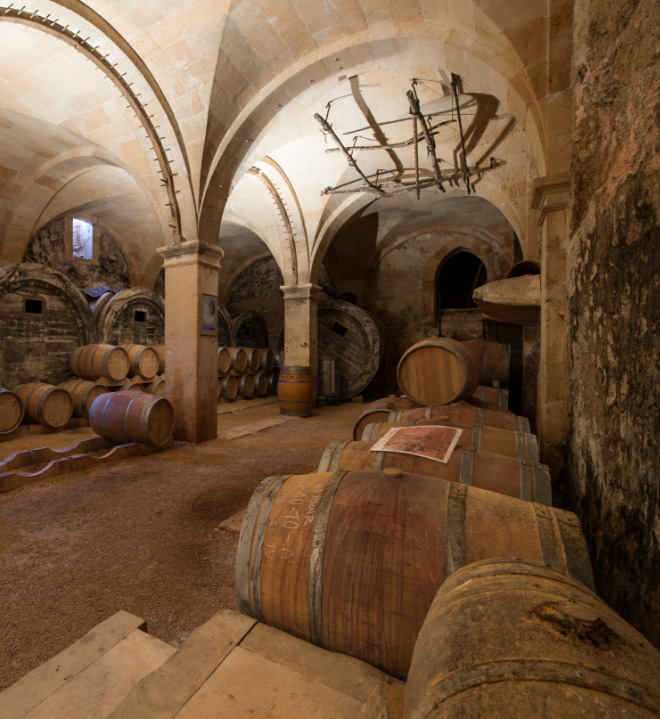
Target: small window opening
[(339, 329), (83, 239), (33, 307), (140, 316)]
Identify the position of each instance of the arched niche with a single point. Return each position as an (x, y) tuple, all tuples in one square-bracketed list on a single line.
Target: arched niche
[(131, 316), (251, 330)]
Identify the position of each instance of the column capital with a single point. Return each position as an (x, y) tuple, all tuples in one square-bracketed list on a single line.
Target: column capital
[(301, 292), (194, 251), (551, 194)]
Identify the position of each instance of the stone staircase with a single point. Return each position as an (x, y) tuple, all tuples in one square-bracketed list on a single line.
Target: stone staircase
[(231, 667)]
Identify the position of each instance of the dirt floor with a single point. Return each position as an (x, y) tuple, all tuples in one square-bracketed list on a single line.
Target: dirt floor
[(142, 535)]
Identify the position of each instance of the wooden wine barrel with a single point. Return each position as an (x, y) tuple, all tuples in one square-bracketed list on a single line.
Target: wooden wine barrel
[(351, 561), (253, 359), (238, 360), (11, 411), (392, 409), (329, 380), (45, 404), (142, 360), (492, 395), (273, 380), (295, 391), (510, 637), (266, 359), (493, 360), (228, 387), (131, 386), (437, 370), (475, 467), (100, 360), (260, 384), (82, 392), (224, 361), (246, 385), (490, 439), (124, 417), (160, 351), (156, 387)]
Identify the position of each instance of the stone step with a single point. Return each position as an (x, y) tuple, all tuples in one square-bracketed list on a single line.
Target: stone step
[(91, 677)]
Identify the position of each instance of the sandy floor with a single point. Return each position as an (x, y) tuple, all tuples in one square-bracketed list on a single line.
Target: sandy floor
[(142, 535)]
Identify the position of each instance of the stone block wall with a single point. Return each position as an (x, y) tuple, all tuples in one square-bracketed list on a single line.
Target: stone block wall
[(614, 292)]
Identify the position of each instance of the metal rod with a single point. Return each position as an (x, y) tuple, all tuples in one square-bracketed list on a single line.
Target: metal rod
[(454, 85), (430, 142)]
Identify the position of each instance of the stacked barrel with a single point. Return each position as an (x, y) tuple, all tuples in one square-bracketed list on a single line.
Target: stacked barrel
[(433, 485), (245, 372)]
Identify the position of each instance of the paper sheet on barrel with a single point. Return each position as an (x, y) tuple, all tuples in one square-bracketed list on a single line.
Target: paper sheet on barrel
[(435, 442)]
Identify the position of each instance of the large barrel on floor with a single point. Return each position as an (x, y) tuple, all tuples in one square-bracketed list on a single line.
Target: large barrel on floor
[(142, 360), (127, 416), (466, 465), (100, 360), (82, 392), (490, 439), (351, 561), (511, 637), (464, 412), (437, 370), (493, 361), (295, 391), (11, 411), (45, 404)]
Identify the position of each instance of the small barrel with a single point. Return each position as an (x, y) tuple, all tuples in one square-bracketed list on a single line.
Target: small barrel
[(260, 383), (160, 351), (246, 385), (238, 360), (490, 439), (351, 561), (130, 385), (11, 411), (266, 359), (224, 361), (493, 360), (82, 392), (295, 391), (142, 361), (253, 359), (467, 465), (492, 395), (437, 370), (100, 360), (228, 387), (124, 417), (513, 637), (45, 404), (156, 387)]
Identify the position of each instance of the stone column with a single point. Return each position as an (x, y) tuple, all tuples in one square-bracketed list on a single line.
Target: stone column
[(300, 327), (191, 349), (552, 197)]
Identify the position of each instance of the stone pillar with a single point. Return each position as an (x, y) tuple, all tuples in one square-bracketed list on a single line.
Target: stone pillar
[(191, 354), (552, 197), (300, 327)]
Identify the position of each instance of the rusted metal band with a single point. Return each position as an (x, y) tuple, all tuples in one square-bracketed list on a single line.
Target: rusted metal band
[(328, 456), (378, 462), (481, 415), (520, 447), (456, 528), (395, 416), (547, 535), (371, 432), (427, 412), (542, 485), (467, 465), (532, 448), (526, 481), (476, 436), (316, 558)]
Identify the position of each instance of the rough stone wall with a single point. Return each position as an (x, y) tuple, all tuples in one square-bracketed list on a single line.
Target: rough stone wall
[(614, 282), (47, 247), (258, 289)]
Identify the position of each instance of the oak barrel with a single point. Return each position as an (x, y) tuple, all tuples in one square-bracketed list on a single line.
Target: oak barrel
[(224, 361), (82, 392), (493, 360), (11, 411), (510, 637), (100, 360), (127, 416), (266, 359), (437, 370), (45, 404), (466, 465), (382, 410), (239, 360), (351, 561), (228, 387), (142, 360), (253, 359), (156, 387), (295, 391), (130, 385), (490, 439), (273, 379), (246, 385), (160, 351), (492, 395), (260, 384)]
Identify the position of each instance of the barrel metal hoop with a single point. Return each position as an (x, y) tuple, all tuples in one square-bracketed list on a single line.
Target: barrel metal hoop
[(144, 416), (456, 528), (379, 461), (476, 436), (395, 416), (467, 465), (316, 559), (520, 447), (253, 512), (526, 481), (535, 670), (29, 397), (481, 415), (547, 534), (542, 485), (532, 448), (126, 413), (524, 425), (411, 423), (42, 402), (427, 412), (367, 432)]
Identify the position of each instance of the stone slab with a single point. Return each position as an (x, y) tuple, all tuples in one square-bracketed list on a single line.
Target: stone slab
[(17, 700)]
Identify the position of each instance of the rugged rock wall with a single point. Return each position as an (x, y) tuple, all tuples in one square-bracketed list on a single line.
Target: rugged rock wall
[(614, 290)]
